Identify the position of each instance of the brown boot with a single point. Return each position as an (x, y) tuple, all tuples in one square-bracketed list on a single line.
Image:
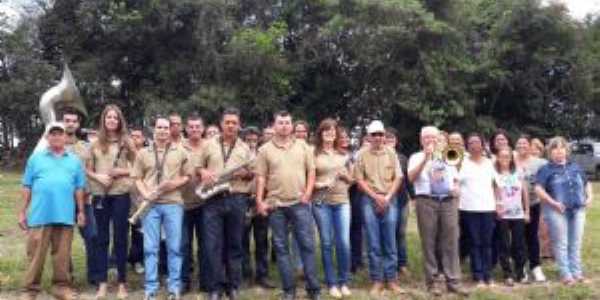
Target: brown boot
[(376, 289)]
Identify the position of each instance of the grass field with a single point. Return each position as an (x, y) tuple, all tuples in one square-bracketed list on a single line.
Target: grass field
[(13, 261)]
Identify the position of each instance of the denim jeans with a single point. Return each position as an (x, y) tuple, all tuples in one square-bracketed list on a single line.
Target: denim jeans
[(480, 228), (89, 233), (381, 239), (333, 221), (136, 246), (223, 227), (170, 217), (302, 225), (192, 227), (566, 233), (115, 210)]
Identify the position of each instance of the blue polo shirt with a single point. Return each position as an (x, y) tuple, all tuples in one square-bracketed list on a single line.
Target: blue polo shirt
[(53, 181)]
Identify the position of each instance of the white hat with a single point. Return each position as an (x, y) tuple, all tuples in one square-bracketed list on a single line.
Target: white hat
[(375, 126), (55, 125)]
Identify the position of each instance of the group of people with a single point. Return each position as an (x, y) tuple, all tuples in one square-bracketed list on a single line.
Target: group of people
[(210, 190)]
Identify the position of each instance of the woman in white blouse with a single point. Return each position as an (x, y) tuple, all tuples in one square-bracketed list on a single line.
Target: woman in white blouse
[(478, 205)]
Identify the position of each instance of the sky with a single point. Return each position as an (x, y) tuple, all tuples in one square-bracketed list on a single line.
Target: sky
[(580, 8)]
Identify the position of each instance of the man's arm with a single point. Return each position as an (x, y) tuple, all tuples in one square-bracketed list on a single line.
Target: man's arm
[(415, 172), (80, 198), (26, 195), (310, 184)]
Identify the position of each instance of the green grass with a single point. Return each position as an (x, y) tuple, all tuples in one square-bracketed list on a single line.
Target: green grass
[(13, 263)]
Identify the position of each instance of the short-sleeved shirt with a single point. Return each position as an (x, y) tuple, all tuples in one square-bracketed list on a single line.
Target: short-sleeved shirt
[(190, 199), (102, 162), (53, 181), (328, 164), (176, 163), (379, 168), (528, 171), (285, 170), (213, 158), (565, 183), (510, 194), (477, 186), (436, 179)]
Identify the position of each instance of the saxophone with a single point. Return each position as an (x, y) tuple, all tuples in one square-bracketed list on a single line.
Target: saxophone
[(222, 184)]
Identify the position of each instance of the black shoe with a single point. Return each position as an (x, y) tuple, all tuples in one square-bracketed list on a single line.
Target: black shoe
[(288, 296), (265, 283), (314, 296), (213, 296), (233, 294)]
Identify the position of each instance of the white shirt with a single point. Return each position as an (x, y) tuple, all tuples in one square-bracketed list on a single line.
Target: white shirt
[(476, 186), (423, 183)]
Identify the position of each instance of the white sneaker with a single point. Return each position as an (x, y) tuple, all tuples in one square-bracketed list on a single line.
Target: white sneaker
[(139, 268), (335, 293), (538, 274), (346, 291)]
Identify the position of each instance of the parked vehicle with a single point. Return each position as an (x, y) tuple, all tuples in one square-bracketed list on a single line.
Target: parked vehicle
[(587, 155)]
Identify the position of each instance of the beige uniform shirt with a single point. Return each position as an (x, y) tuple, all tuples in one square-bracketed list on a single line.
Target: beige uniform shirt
[(285, 171), (102, 163), (213, 159), (190, 199), (328, 165), (176, 163), (378, 168)]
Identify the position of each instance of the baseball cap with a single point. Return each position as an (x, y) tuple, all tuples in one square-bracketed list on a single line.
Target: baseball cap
[(375, 126), (56, 125)]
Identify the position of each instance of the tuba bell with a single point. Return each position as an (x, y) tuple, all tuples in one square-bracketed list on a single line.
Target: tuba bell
[(453, 156), (64, 94)]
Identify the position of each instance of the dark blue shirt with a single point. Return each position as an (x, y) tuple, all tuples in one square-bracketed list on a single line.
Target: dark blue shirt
[(53, 181), (565, 183)]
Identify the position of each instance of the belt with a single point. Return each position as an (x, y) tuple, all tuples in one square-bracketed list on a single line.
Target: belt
[(436, 198)]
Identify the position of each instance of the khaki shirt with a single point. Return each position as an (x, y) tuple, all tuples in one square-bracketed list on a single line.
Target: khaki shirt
[(378, 168), (328, 165), (102, 163), (80, 148), (212, 159), (176, 164), (190, 199), (285, 171)]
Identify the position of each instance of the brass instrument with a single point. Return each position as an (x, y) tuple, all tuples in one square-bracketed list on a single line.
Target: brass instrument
[(142, 209), (453, 156), (64, 94), (222, 184)]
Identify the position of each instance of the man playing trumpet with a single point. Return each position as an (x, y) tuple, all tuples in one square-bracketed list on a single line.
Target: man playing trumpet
[(159, 172)]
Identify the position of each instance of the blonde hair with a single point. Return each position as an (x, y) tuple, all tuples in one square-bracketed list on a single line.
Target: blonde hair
[(557, 142)]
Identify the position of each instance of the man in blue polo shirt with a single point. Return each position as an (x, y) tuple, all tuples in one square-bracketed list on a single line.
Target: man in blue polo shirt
[(53, 182)]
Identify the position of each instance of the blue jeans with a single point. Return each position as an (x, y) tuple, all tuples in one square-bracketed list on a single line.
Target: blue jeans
[(115, 210), (566, 232), (381, 238), (223, 227), (334, 219), (356, 228), (170, 216), (89, 232), (480, 228), (301, 221)]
